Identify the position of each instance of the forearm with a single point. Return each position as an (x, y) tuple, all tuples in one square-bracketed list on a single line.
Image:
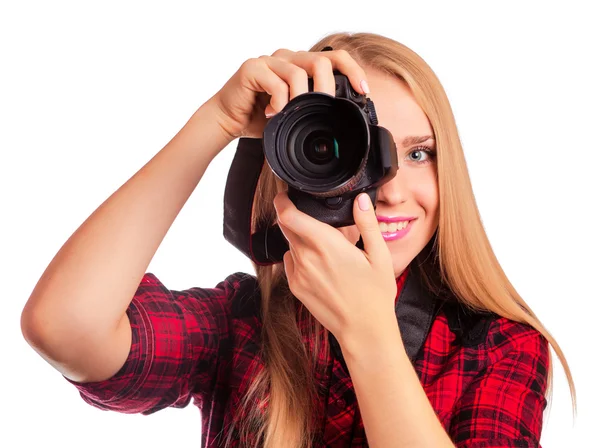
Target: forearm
[(89, 284), (394, 407)]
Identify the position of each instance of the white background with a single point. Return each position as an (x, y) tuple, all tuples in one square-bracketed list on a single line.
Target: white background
[(90, 91)]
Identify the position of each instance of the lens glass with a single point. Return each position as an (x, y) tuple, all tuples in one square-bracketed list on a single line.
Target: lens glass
[(321, 148), (323, 145)]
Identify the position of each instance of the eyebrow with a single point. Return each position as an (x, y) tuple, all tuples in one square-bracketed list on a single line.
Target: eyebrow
[(413, 140)]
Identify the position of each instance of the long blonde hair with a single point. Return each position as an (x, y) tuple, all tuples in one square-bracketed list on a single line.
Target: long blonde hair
[(287, 382)]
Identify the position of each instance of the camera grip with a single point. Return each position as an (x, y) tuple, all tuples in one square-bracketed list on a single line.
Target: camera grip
[(335, 211)]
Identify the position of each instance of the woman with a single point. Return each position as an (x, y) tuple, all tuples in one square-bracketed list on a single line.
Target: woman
[(419, 340)]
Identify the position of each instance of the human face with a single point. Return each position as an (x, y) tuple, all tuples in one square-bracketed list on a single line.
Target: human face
[(413, 192)]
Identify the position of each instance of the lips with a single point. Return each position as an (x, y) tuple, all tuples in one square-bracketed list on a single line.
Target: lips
[(395, 218), (396, 230)]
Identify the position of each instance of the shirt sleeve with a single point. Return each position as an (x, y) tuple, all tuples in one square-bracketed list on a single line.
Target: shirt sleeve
[(178, 340), (503, 406)]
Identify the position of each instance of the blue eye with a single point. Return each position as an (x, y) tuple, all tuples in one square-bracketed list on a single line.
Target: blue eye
[(420, 152)]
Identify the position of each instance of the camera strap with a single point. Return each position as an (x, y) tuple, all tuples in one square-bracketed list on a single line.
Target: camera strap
[(266, 245)]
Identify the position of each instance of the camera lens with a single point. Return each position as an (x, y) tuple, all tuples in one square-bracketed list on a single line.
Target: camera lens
[(314, 154), (321, 148), (319, 144)]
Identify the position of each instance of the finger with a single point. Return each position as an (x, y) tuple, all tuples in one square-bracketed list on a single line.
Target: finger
[(294, 240), (263, 79), (289, 265), (366, 221), (320, 66), (345, 63), (301, 227), (295, 77)]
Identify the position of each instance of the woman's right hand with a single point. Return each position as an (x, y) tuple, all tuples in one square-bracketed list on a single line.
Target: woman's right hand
[(263, 86)]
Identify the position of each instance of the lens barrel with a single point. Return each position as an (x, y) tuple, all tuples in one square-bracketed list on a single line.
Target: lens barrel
[(318, 144)]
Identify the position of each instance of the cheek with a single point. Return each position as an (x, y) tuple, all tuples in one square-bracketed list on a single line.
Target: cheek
[(426, 192)]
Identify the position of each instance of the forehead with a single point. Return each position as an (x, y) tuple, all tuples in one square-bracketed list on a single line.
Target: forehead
[(397, 109)]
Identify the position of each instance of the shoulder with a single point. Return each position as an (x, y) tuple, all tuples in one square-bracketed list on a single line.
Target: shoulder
[(239, 285), (488, 330), (493, 352), (503, 367), (470, 327), (495, 334), (242, 293), (508, 338), (246, 299)]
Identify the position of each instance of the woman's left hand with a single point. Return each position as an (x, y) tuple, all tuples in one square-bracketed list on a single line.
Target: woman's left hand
[(348, 290)]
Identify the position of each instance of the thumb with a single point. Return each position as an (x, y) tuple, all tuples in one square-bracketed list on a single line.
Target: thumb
[(368, 226)]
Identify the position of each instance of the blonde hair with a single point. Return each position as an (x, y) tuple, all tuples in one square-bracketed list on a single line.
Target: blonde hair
[(475, 276)]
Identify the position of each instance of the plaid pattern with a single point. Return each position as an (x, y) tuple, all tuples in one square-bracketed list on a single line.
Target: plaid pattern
[(202, 344)]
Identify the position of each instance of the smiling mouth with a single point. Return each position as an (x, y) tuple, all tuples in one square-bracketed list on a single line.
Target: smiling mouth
[(391, 227), (396, 230)]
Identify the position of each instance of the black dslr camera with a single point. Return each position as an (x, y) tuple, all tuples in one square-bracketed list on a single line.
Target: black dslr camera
[(327, 149)]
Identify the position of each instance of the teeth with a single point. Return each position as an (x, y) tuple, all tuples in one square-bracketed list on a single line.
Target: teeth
[(392, 226)]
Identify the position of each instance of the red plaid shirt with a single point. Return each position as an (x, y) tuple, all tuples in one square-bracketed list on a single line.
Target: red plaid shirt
[(485, 375)]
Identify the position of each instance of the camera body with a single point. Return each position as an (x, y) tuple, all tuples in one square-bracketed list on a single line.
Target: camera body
[(328, 150)]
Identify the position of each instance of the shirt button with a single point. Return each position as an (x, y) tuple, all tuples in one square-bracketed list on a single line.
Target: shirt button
[(341, 403)]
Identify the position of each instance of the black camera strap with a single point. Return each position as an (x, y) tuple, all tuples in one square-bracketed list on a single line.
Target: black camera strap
[(267, 245)]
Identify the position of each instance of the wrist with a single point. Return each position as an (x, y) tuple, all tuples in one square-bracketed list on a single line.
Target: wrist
[(206, 125), (220, 118), (378, 336)]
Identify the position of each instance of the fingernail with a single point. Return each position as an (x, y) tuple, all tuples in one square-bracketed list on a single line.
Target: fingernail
[(269, 111), (364, 86), (363, 202)]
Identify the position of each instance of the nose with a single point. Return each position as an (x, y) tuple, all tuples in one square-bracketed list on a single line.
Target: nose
[(393, 192)]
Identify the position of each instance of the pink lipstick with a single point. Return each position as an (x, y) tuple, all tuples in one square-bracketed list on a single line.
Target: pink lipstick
[(395, 218), (396, 234)]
